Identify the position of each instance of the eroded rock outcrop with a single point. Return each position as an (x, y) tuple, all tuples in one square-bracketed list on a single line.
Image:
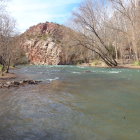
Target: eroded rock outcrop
[(42, 51), (41, 44), (52, 44)]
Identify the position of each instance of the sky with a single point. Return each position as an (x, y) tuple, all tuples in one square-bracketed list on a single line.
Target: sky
[(31, 12)]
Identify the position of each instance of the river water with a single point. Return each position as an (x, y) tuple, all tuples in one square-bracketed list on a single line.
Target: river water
[(72, 103)]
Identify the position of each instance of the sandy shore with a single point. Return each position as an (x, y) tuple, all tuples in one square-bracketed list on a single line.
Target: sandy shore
[(8, 76), (127, 66)]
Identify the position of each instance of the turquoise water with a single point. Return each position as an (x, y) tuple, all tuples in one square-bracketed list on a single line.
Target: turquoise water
[(72, 103)]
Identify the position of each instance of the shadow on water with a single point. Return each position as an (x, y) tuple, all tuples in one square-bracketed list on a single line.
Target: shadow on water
[(26, 115), (43, 135)]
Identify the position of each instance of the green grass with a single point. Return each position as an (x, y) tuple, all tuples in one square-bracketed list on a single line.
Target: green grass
[(137, 63), (96, 62)]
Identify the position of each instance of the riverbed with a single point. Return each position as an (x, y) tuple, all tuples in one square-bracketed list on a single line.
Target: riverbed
[(72, 103)]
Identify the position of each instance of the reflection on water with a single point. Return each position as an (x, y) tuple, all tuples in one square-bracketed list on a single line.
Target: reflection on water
[(72, 104)]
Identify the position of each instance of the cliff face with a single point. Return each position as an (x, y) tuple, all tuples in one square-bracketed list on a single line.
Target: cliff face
[(52, 44), (41, 44), (42, 52)]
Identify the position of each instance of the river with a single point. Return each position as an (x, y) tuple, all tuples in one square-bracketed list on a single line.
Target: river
[(72, 103)]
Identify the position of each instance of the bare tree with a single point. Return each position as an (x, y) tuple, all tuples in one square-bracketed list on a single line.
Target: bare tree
[(128, 11), (7, 33), (90, 20)]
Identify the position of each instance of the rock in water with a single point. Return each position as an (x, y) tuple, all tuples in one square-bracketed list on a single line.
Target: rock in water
[(9, 84)]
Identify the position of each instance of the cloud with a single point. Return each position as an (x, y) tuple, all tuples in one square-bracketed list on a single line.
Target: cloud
[(31, 12)]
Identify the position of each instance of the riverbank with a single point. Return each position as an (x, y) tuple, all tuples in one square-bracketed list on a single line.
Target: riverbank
[(7, 76), (124, 66), (128, 66), (10, 80)]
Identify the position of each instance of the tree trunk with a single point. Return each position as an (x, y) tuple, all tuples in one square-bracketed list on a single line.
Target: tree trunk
[(8, 66), (134, 44)]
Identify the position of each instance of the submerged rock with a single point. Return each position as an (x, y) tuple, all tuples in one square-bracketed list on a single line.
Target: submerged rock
[(88, 71), (9, 84)]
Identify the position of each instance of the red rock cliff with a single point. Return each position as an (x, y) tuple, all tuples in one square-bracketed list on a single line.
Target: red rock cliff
[(41, 44), (52, 44)]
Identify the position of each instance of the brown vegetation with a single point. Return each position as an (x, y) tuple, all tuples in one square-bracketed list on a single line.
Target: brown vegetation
[(110, 29), (106, 30), (10, 52)]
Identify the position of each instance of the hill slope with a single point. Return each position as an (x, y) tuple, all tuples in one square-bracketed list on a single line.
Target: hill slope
[(50, 44)]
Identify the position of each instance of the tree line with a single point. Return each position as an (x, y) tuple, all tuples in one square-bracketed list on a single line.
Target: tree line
[(110, 29), (100, 29), (9, 41)]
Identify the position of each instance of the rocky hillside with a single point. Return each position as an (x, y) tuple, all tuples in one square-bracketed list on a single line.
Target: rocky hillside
[(48, 43)]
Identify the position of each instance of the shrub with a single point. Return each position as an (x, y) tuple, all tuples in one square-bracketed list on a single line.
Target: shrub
[(96, 62), (137, 63)]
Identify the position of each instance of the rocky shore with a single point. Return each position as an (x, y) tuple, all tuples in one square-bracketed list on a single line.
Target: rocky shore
[(9, 84)]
